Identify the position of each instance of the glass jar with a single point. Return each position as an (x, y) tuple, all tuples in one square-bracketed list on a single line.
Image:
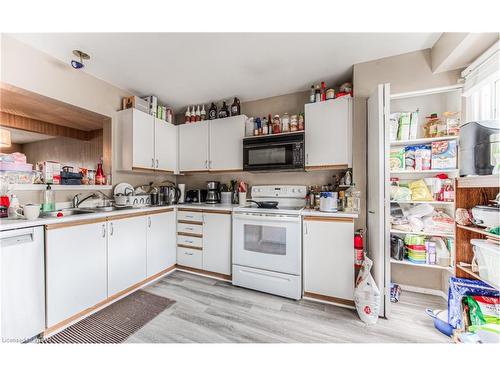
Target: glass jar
[(301, 121), (285, 123), (294, 123)]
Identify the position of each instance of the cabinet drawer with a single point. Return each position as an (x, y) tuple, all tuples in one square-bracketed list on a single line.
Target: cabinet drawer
[(189, 228), (189, 257), (190, 216), (189, 241)]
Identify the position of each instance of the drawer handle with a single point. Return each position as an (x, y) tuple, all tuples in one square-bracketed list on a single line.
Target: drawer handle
[(188, 241), (188, 253)]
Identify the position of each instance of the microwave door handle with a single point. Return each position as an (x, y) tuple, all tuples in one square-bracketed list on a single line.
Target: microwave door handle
[(264, 145)]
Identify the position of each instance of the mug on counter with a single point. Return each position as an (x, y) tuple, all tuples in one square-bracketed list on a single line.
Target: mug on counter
[(242, 198), (29, 211)]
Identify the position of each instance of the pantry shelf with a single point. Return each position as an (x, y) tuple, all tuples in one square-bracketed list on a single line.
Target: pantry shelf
[(468, 270), (427, 172), (418, 141), (437, 203), (480, 231), (39, 187), (435, 234), (408, 263)]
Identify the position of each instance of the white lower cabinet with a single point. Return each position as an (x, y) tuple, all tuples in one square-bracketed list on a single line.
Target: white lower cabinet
[(161, 248), (75, 269), (126, 253), (189, 257), (329, 257), (217, 242)]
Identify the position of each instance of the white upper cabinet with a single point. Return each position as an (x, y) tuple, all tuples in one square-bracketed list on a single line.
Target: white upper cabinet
[(193, 147), (165, 146), (226, 146), (145, 142), (142, 140), (328, 134)]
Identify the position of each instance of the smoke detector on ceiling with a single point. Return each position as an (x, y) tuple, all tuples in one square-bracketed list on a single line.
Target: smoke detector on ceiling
[(82, 56)]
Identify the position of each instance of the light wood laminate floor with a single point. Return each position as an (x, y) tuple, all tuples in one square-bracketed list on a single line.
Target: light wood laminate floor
[(212, 311)]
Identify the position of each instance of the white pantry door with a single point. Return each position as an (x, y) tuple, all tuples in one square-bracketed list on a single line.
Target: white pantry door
[(377, 192)]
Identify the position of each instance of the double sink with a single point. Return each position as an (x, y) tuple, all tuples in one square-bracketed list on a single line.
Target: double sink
[(78, 211)]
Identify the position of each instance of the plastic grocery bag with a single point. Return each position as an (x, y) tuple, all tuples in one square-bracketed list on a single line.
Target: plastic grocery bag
[(366, 294)]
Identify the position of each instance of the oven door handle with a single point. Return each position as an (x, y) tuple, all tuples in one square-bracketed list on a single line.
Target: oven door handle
[(264, 217)]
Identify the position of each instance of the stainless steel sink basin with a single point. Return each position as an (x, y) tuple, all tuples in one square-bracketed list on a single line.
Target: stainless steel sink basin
[(68, 212), (104, 209)]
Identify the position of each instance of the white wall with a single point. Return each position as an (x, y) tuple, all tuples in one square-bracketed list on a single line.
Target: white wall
[(28, 68)]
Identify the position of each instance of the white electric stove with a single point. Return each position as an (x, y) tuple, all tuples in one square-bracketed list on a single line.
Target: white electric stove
[(267, 242)]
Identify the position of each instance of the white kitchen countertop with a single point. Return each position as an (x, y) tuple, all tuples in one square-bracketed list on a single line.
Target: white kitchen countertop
[(8, 224), (311, 212)]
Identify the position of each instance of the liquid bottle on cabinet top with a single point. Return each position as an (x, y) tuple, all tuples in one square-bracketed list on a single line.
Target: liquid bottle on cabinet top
[(312, 95), (264, 125), (198, 113), (317, 94), (187, 116), (323, 91), (224, 111), (193, 115), (212, 112), (285, 123), (235, 107), (203, 113)]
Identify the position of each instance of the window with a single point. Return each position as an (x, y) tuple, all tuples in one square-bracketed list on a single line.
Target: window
[(482, 87)]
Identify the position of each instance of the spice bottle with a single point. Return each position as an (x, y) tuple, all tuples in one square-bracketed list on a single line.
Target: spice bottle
[(276, 124), (323, 91), (265, 127), (317, 94), (285, 123), (193, 115), (187, 116)]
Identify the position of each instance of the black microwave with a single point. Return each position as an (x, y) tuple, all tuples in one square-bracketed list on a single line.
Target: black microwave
[(274, 152)]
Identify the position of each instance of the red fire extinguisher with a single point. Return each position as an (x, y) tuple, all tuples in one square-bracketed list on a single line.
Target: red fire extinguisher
[(358, 247)]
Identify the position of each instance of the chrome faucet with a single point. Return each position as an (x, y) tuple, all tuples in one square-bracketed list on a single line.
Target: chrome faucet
[(77, 202)]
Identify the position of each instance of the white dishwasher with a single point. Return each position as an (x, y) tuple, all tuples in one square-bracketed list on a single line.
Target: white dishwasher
[(22, 296)]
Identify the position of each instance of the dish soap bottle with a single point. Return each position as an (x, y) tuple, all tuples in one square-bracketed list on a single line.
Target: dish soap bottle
[(14, 205), (48, 200)]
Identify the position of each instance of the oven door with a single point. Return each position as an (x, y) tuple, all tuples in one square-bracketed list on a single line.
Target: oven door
[(268, 241)]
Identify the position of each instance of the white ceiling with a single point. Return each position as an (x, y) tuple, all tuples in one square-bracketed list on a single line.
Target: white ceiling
[(192, 68), (22, 136)]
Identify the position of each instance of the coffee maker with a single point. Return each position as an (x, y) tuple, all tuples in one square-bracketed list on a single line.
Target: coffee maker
[(213, 193)]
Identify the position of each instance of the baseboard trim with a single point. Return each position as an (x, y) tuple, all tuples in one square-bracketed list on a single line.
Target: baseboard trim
[(196, 271), (416, 289), (331, 300), (108, 301)]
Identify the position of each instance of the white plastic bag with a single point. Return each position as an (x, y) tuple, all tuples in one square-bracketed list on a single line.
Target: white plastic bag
[(366, 294)]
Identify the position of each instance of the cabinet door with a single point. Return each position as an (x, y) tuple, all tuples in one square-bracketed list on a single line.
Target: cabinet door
[(126, 253), (161, 246), (165, 146), (226, 144), (75, 269), (193, 146), (328, 137), (143, 140), (329, 257), (217, 242)]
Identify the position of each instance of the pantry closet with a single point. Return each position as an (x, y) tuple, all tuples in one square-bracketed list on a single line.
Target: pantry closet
[(389, 191)]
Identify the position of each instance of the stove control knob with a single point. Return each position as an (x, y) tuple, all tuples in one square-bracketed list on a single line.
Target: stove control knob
[(293, 190)]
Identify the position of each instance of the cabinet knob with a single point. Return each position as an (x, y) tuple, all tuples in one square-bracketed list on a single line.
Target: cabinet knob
[(152, 162), (149, 222), (111, 229), (103, 230), (156, 163)]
